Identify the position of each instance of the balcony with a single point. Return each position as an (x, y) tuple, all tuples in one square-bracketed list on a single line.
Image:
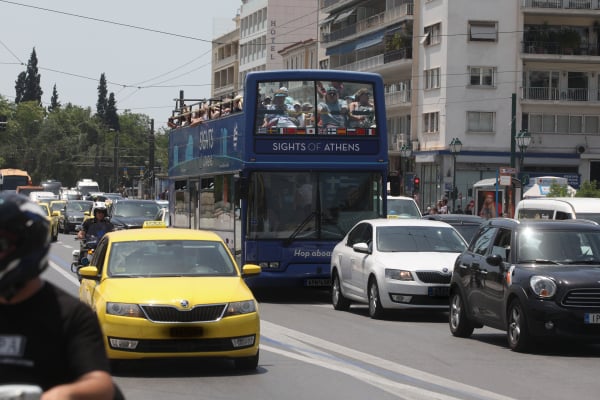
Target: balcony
[(395, 55), (562, 4), (536, 47), (401, 97), (556, 95)]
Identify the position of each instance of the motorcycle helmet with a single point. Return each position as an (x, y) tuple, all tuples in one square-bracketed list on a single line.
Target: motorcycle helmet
[(99, 206), (24, 242)]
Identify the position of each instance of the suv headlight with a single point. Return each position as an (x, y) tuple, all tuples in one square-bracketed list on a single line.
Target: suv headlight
[(542, 286)]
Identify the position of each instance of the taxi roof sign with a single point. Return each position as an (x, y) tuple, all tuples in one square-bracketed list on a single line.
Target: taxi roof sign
[(154, 224)]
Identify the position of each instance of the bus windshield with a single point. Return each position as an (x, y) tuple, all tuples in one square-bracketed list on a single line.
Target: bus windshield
[(311, 205)]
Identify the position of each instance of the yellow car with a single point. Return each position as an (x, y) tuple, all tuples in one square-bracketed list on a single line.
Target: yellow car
[(53, 218), (165, 292)]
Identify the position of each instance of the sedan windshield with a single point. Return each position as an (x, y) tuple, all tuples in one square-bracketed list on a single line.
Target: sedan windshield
[(132, 209), (560, 247), (170, 258), (419, 239)]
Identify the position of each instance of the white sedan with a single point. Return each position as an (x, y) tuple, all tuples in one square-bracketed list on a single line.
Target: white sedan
[(395, 264)]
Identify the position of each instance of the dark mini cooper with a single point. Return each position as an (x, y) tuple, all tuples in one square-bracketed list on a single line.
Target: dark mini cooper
[(532, 279)]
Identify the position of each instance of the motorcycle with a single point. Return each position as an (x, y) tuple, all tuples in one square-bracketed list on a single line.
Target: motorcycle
[(83, 256)]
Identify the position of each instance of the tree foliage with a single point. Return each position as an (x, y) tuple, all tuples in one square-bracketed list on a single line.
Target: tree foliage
[(54, 103), (588, 189), (102, 102), (557, 190), (28, 87)]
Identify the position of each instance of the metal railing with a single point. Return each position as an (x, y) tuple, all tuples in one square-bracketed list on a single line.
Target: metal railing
[(554, 94), (556, 48), (562, 4)]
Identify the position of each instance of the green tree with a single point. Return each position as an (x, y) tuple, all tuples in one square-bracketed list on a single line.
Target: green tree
[(54, 103), (102, 102), (588, 189), (557, 190), (20, 87), (29, 86), (112, 118)]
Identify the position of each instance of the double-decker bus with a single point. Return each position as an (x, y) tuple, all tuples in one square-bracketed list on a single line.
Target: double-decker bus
[(285, 179), (10, 178)]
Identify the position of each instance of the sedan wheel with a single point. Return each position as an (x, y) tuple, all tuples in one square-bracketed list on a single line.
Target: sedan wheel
[(517, 332), (460, 325), (376, 310), (340, 303)]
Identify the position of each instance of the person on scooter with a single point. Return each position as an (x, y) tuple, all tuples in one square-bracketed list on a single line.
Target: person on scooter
[(97, 226), (49, 338)]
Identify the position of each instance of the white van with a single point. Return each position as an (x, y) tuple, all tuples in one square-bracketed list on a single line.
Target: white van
[(559, 208)]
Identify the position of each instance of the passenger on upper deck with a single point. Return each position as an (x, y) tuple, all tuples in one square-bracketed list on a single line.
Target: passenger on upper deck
[(333, 112), (361, 111), (278, 113)]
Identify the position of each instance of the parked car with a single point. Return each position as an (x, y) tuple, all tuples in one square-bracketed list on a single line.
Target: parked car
[(467, 225), (131, 214), (74, 214), (402, 207), (395, 264), (169, 293), (532, 279)]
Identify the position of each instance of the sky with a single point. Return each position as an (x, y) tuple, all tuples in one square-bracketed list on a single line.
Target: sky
[(148, 50)]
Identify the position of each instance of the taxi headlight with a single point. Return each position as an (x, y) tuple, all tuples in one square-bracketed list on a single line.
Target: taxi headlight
[(240, 307), (542, 286), (398, 274), (124, 310)]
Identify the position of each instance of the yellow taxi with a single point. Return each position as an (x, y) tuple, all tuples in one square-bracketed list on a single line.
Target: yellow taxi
[(167, 292), (53, 218)]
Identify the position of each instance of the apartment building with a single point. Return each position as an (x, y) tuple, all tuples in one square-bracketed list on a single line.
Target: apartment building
[(480, 71)]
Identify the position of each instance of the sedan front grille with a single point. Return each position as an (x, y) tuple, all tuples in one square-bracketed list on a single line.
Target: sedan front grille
[(203, 313), (434, 277), (586, 298)]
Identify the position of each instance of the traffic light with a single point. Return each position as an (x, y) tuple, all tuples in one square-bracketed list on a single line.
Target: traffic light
[(416, 182)]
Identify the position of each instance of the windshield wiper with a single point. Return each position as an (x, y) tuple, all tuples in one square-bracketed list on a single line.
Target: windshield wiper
[(299, 228), (583, 262), (540, 261)]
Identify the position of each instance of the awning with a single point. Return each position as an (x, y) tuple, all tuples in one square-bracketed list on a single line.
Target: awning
[(343, 15), (341, 49), (369, 41), (328, 19)]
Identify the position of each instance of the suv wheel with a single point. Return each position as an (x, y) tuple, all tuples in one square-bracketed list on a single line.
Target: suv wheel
[(340, 303), (517, 332), (460, 325), (376, 310)]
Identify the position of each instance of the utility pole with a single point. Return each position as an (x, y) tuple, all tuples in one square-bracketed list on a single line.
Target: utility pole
[(116, 161), (151, 158)]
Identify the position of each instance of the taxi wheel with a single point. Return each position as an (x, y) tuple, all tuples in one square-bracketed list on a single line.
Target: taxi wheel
[(246, 363), (340, 303), (517, 331), (376, 310)]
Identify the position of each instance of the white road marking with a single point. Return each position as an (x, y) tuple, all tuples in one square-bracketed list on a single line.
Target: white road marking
[(64, 273)]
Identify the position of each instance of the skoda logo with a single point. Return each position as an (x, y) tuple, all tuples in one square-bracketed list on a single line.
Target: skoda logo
[(184, 303)]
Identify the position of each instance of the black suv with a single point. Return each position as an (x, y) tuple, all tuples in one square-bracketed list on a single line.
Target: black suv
[(532, 279)]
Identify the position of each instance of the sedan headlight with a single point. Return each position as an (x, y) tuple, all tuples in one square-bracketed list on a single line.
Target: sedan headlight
[(124, 310), (542, 286), (398, 274), (240, 307)]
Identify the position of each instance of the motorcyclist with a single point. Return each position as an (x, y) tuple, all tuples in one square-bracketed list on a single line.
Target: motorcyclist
[(96, 226), (50, 339)]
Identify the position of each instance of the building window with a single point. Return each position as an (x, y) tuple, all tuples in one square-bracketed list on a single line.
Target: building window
[(432, 35), (432, 78), (482, 76), (483, 31), (478, 121), (431, 122)]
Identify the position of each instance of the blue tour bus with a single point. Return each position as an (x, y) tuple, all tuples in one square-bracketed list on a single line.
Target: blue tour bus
[(284, 180)]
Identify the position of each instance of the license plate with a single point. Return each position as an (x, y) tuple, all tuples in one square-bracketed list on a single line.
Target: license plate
[(591, 318), (317, 282), (438, 291)]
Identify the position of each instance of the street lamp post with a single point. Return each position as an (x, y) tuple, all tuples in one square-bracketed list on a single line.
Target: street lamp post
[(405, 153), (455, 148), (522, 139)]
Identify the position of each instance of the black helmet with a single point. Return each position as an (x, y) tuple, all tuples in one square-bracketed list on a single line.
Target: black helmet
[(24, 242)]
